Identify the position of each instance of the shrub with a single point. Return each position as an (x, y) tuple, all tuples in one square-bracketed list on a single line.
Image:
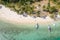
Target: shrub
[(53, 9)]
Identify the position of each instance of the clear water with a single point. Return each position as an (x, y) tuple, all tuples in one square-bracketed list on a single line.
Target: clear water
[(23, 32)]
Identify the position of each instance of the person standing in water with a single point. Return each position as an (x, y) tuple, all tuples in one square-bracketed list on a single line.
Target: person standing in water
[(37, 26), (49, 28)]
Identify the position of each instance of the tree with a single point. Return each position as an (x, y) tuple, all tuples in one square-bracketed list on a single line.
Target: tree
[(53, 12)]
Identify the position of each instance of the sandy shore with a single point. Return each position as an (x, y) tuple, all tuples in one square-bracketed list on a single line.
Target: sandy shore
[(13, 17)]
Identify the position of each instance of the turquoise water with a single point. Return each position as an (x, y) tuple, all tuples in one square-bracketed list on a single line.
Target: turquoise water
[(10, 31)]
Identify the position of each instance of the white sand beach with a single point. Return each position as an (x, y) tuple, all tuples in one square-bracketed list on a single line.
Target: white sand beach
[(13, 17)]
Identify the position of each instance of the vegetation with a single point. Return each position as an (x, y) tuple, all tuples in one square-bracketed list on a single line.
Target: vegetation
[(53, 10), (21, 6)]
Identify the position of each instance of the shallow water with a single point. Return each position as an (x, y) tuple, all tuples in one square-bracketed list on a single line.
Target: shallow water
[(10, 31)]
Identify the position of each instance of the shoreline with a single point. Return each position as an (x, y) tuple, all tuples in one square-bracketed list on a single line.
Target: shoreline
[(28, 20), (12, 17)]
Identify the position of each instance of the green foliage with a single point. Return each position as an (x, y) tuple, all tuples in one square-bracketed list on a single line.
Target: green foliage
[(55, 0), (59, 13), (50, 9), (45, 8), (52, 15), (28, 8), (10, 1), (38, 13), (53, 9), (16, 1), (19, 5)]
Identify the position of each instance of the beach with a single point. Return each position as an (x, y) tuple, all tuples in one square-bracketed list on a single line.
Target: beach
[(18, 27), (13, 17)]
